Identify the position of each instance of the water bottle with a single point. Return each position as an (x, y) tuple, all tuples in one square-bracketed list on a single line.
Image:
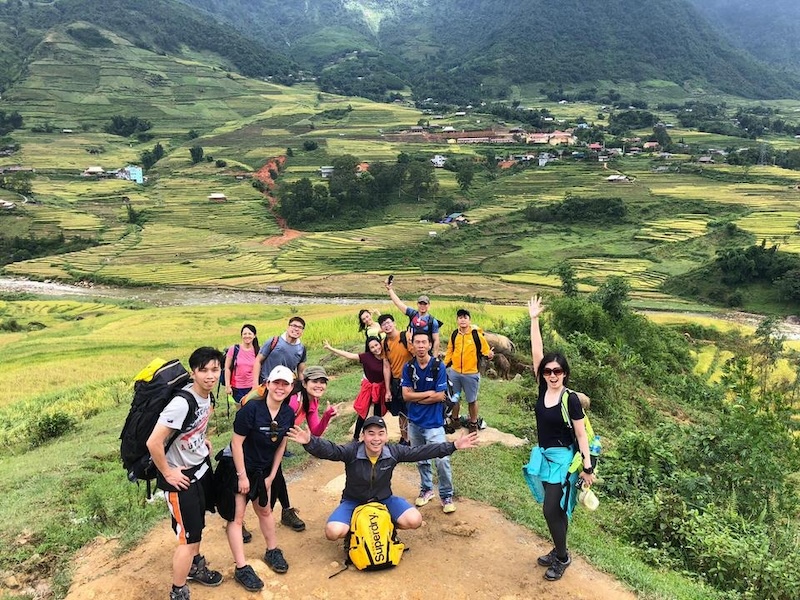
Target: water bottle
[(594, 447)]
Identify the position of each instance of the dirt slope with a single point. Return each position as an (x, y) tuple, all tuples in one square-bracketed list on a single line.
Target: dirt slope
[(473, 553)]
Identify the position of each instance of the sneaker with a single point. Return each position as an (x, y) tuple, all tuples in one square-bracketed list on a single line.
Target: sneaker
[(448, 506), (556, 570), (202, 574), (247, 537), (275, 561), (548, 559), (472, 426), (449, 427), (248, 578), (424, 497), (290, 519), (182, 593)]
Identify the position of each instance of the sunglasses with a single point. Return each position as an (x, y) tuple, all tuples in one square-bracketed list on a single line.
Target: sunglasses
[(558, 372), (273, 431)]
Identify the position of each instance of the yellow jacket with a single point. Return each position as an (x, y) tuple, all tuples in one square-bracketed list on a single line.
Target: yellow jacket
[(461, 353)]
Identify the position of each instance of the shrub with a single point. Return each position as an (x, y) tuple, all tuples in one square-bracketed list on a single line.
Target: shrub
[(50, 426)]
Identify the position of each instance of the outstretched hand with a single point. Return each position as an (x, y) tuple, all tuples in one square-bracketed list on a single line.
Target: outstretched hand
[(335, 409), (467, 441), (299, 435), (326, 345), (535, 306)]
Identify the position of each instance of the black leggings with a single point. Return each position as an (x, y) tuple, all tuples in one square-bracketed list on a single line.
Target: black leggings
[(279, 490), (360, 421), (556, 517)]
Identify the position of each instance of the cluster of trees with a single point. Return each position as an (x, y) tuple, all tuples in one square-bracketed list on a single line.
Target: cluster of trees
[(761, 264), (9, 122), (349, 194), (20, 182), (127, 126), (90, 37), (366, 76), (14, 249), (151, 157), (621, 122), (530, 116), (577, 209)]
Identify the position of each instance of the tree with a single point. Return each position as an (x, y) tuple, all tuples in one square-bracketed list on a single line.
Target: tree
[(420, 179), (569, 284), (20, 182), (197, 154), (612, 295), (465, 173)]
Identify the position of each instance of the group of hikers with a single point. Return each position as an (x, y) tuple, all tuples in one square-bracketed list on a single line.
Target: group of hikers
[(275, 393)]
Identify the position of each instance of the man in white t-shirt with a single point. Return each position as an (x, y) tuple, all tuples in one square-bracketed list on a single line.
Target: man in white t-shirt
[(183, 469)]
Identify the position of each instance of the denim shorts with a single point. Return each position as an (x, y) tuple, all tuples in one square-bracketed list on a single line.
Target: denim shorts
[(344, 512)]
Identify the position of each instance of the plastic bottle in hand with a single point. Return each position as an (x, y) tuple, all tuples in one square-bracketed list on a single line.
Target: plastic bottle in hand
[(595, 448)]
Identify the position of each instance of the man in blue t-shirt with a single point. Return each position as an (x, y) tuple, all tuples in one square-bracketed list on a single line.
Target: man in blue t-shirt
[(419, 320), (424, 384), (286, 350)]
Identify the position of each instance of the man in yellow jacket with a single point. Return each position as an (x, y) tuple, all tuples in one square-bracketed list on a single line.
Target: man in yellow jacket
[(467, 345)]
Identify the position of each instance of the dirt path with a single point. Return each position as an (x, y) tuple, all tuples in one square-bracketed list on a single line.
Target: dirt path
[(473, 553), (264, 174)]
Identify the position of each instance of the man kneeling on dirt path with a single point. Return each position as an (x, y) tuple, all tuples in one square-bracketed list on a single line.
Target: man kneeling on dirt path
[(369, 465), (184, 471)]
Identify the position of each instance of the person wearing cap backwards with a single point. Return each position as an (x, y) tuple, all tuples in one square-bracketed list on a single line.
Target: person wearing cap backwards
[(305, 405), (368, 471), (420, 319), (257, 446), (463, 365)]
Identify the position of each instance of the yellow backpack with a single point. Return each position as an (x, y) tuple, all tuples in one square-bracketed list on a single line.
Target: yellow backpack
[(373, 539)]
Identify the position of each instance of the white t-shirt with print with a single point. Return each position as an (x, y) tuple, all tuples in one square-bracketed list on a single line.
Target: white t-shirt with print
[(189, 449)]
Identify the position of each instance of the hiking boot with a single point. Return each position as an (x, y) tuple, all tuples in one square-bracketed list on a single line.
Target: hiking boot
[(449, 427), (556, 570), (290, 519), (202, 574), (247, 537), (182, 593), (448, 506), (275, 561), (248, 578), (424, 497), (547, 559), (472, 426)]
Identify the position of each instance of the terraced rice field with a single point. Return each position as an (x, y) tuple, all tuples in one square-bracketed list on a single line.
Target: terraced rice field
[(678, 229), (776, 227)]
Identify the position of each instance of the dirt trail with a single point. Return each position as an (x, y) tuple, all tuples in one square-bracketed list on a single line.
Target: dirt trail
[(475, 552), (264, 174)]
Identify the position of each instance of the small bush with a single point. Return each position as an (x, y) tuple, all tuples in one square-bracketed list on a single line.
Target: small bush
[(50, 427)]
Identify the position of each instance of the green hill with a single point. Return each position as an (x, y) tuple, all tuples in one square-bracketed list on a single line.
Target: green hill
[(163, 26), (463, 51)]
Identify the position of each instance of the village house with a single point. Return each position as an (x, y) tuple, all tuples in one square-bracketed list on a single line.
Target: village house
[(6, 205), (131, 173), (650, 145), (217, 197), (326, 171), (618, 179), (93, 172)]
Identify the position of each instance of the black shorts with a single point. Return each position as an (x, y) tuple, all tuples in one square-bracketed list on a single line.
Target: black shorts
[(188, 509), (397, 406)]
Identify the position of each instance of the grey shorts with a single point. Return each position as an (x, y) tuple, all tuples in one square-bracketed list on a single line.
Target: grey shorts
[(466, 384)]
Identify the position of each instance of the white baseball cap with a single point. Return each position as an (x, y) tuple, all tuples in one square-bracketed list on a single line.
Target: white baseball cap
[(281, 373)]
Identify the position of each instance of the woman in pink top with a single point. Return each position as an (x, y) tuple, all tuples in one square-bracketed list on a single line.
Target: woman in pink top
[(305, 405), (239, 361)]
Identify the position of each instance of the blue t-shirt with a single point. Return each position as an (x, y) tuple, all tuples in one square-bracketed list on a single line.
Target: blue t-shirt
[(426, 416), (284, 353), (421, 322)]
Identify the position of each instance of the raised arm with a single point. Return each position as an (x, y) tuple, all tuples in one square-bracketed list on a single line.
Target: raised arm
[(535, 308), (397, 302), (337, 352), (257, 369)]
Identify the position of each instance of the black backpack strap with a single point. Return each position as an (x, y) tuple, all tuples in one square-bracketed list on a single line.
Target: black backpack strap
[(476, 337)]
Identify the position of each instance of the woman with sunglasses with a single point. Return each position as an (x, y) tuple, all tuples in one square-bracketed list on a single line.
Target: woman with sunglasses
[(305, 406), (257, 447), (548, 469), (373, 388)]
